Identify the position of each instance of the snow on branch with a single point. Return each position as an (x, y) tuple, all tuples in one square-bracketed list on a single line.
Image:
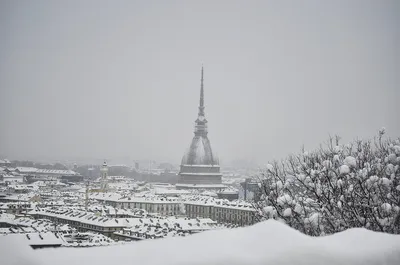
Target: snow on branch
[(336, 187)]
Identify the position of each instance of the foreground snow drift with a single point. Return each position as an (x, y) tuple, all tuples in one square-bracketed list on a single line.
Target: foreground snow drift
[(269, 242)]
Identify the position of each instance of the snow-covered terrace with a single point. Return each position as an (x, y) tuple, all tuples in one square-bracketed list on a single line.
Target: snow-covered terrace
[(268, 242)]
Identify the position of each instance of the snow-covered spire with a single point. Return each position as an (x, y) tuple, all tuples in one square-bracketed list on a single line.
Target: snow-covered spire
[(201, 122), (201, 107)]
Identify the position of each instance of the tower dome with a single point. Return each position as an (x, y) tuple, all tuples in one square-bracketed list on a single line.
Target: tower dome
[(200, 153), (199, 164)]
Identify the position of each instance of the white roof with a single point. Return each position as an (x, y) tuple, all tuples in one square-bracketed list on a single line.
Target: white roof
[(26, 224), (36, 239), (32, 170), (201, 186), (83, 217), (12, 177), (160, 191), (55, 172), (26, 169), (220, 203), (116, 197), (20, 197)]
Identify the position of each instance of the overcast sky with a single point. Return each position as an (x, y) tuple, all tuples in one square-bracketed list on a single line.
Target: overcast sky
[(121, 79)]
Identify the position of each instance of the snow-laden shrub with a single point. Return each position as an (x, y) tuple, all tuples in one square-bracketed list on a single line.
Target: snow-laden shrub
[(336, 187), (350, 161)]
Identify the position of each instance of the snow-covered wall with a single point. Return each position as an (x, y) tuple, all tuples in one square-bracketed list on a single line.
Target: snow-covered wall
[(269, 242)]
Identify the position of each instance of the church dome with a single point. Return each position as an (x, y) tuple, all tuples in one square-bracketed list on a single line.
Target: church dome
[(200, 153)]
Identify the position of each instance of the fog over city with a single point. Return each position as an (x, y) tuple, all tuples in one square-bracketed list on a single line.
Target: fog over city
[(200, 132), (120, 80)]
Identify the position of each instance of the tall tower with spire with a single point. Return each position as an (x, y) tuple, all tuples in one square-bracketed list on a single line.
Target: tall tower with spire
[(104, 174), (201, 122), (200, 166)]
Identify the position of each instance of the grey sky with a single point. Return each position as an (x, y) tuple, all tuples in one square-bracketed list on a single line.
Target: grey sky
[(120, 79)]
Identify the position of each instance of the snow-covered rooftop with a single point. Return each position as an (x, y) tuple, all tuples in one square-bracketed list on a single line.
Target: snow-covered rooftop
[(161, 191), (33, 170), (185, 198), (34, 239), (168, 227), (149, 198), (211, 201), (20, 197), (82, 217), (26, 169), (200, 186), (29, 225), (55, 171)]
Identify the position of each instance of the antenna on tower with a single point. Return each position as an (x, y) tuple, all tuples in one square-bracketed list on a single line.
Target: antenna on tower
[(201, 107)]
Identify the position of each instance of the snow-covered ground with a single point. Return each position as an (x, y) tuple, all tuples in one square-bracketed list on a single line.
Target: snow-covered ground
[(269, 242)]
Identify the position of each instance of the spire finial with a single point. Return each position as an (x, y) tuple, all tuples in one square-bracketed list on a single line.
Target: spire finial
[(202, 87), (201, 107)]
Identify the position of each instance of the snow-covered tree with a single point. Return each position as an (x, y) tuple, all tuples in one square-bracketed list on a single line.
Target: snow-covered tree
[(336, 187)]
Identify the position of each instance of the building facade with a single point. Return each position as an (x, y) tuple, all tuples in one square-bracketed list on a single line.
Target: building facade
[(249, 190), (82, 221), (240, 215), (154, 205)]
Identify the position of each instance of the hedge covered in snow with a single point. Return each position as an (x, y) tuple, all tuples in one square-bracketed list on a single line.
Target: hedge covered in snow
[(336, 187)]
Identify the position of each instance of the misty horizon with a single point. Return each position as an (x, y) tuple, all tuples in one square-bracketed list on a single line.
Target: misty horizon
[(121, 81)]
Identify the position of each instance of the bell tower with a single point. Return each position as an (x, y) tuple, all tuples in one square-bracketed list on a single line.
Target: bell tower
[(104, 174)]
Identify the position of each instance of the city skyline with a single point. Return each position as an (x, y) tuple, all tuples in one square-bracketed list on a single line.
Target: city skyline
[(154, 132), (77, 84)]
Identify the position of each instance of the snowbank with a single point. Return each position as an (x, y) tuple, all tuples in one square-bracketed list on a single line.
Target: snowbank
[(268, 242)]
